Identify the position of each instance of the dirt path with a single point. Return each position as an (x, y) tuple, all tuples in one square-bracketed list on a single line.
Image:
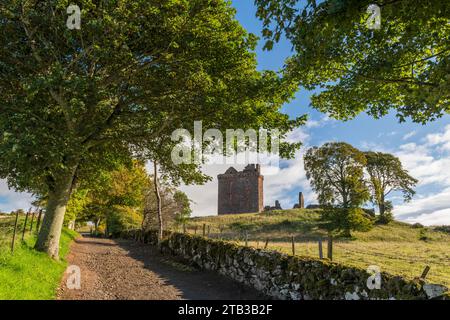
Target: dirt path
[(122, 269)]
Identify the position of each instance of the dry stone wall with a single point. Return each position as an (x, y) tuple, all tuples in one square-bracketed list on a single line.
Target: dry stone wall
[(288, 277)]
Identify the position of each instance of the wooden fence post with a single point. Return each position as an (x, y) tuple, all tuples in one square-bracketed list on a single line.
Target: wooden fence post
[(184, 227), (425, 272), (246, 238), (320, 249), (266, 244), (330, 247), (38, 223), (293, 245), (25, 224), (32, 221), (209, 229), (204, 229), (14, 232), (195, 230)]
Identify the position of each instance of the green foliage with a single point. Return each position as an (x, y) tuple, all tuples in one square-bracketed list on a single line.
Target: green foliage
[(135, 71), (445, 229), (423, 234), (335, 171), (386, 174), (77, 203), (402, 66), (79, 102), (29, 274), (183, 205), (123, 218), (344, 220), (121, 192), (387, 217)]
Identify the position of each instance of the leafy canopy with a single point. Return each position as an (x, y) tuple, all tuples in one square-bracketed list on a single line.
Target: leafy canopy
[(84, 100), (404, 66), (336, 173), (386, 174)]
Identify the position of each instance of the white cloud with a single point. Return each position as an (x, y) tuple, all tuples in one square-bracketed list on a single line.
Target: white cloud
[(431, 168), (442, 140), (440, 217), (409, 135), (290, 179), (11, 200)]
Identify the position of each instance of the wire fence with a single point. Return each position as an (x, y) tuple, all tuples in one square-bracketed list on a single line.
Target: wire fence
[(320, 246), (16, 227)]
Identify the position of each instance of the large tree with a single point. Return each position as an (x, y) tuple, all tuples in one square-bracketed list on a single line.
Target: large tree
[(336, 173), (74, 102), (386, 175), (404, 65)]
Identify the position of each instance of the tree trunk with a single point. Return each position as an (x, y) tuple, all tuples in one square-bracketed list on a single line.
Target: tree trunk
[(97, 225), (158, 201), (381, 206), (347, 233), (50, 233)]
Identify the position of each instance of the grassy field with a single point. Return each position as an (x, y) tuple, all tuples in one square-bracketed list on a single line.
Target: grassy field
[(397, 248), (28, 274)]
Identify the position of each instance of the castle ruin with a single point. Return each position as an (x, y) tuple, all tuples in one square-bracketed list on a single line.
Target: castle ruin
[(241, 191)]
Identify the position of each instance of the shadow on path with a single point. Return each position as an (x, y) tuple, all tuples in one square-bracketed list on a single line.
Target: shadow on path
[(193, 284), (126, 270)]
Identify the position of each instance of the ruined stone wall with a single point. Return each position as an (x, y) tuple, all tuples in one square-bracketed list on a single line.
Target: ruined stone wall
[(283, 276)]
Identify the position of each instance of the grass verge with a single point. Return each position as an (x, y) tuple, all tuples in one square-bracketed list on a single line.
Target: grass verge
[(31, 275)]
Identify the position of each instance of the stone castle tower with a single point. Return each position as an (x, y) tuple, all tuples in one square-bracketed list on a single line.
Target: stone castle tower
[(241, 191)]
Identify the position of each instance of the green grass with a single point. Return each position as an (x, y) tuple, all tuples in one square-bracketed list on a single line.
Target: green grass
[(395, 247), (28, 274)]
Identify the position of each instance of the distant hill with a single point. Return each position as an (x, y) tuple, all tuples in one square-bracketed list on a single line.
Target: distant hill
[(398, 247)]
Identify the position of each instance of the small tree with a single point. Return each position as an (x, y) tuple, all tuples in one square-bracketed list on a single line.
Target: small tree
[(336, 172), (386, 174), (183, 205), (174, 208)]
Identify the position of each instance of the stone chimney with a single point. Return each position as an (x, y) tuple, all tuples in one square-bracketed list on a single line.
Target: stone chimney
[(301, 200)]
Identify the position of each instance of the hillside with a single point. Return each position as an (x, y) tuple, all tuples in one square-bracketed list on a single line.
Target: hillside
[(397, 248)]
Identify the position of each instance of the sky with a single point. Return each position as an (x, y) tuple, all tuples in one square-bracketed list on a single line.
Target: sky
[(423, 150)]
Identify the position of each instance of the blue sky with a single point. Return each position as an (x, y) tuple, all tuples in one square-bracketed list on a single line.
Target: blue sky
[(424, 150)]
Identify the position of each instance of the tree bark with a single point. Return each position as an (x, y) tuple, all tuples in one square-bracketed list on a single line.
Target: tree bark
[(381, 206), (158, 201), (50, 232)]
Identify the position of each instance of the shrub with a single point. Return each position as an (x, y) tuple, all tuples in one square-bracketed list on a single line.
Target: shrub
[(385, 218), (445, 229), (345, 220), (423, 235), (417, 225)]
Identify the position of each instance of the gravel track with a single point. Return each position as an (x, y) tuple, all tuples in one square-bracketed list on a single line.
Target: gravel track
[(125, 270)]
